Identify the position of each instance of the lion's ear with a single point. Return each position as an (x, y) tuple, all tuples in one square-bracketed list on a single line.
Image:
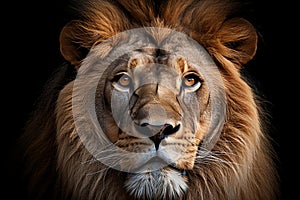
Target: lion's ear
[(239, 38), (72, 40)]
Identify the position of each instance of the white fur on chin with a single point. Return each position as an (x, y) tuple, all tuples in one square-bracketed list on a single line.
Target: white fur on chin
[(159, 184)]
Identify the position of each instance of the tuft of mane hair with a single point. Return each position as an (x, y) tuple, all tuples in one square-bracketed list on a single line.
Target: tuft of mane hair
[(242, 163)]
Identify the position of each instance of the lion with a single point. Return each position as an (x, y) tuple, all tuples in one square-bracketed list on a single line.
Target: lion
[(151, 104)]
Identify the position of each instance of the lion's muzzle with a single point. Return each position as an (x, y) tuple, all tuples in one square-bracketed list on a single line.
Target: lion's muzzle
[(154, 115)]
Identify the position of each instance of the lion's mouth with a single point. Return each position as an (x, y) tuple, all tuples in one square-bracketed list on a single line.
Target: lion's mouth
[(157, 163)]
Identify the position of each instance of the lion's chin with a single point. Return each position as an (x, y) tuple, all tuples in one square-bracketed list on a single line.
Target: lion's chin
[(159, 184)]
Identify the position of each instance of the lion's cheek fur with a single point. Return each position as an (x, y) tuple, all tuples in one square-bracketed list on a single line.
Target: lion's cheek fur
[(187, 162)]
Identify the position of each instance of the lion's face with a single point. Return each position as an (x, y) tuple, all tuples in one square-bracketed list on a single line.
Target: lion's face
[(153, 106), (156, 98)]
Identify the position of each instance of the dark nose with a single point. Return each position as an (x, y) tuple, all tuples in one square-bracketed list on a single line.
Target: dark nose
[(164, 132)]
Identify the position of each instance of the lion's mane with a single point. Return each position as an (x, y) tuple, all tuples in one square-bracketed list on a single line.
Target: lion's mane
[(243, 167)]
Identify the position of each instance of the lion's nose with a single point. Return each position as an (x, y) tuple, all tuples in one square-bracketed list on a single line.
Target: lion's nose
[(157, 133), (163, 132)]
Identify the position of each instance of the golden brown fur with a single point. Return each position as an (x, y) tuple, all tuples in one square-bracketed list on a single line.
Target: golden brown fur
[(241, 164)]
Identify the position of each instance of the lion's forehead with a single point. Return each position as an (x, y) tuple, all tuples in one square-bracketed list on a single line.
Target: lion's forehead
[(151, 42), (154, 73)]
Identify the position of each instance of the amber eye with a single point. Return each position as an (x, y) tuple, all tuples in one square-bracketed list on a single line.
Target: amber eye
[(191, 81), (122, 81)]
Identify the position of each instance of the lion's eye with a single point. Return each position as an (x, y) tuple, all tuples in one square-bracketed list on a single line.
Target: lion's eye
[(191, 81), (122, 81)]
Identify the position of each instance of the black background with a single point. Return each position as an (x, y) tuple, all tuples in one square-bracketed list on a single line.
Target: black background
[(30, 31)]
